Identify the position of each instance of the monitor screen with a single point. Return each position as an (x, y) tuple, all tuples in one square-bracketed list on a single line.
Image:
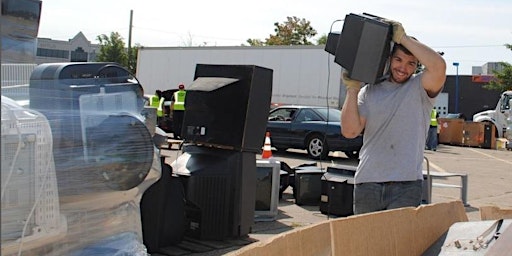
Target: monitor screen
[(263, 188), (307, 185), (267, 189)]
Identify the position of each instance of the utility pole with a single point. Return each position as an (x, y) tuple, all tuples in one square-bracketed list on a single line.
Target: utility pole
[(130, 42), (456, 64)]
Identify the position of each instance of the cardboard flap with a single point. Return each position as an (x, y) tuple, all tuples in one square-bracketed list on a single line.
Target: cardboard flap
[(405, 231)]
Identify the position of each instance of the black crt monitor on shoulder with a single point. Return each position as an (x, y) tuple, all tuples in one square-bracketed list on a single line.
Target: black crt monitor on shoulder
[(363, 47), (267, 189)]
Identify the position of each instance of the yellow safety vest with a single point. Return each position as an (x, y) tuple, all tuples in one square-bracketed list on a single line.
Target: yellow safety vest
[(160, 109), (179, 100), (433, 117), (156, 102)]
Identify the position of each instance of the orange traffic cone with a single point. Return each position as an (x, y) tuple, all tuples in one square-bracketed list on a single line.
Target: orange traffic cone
[(267, 150)]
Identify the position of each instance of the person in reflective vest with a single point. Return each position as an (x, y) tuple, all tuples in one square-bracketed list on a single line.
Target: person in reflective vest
[(178, 110), (432, 131), (157, 101)]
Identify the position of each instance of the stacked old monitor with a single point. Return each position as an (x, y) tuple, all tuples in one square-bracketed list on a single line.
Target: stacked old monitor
[(226, 110), (362, 47), (227, 105), (307, 185), (337, 189), (268, 172)]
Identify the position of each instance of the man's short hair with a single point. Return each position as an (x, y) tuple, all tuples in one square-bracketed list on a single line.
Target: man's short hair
[(400, 47), (405, 50)]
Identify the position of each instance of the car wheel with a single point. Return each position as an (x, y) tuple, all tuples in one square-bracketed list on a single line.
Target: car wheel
[(316, 147), (354, 154)]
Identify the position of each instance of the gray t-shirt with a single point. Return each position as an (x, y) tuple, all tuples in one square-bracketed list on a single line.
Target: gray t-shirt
[(397, 120)]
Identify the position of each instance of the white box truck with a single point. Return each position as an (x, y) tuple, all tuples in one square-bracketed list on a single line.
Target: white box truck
[(304, 75), (497, 116)]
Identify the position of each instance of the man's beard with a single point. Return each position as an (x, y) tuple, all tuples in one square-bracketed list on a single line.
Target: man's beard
[(394, 79)]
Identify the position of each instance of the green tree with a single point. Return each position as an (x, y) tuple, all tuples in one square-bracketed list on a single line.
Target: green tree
[(503, 78), (322, 40), (294, 31), (255, 42), (113, 49), (132, 62)]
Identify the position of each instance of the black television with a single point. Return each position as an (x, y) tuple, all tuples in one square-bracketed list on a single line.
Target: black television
[(363, 46), (307, 189), (337, 190), (267, 189), (219, 189)]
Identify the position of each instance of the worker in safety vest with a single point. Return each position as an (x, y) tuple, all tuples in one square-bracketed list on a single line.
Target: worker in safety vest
[(432, 131), (178, 110), (157, 101)]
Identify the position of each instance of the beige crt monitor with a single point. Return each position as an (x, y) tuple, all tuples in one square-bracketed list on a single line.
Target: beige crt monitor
[(267, 189)]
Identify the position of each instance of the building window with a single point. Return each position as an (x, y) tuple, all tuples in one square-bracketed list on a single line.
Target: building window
[(52, 53), (78, 55)]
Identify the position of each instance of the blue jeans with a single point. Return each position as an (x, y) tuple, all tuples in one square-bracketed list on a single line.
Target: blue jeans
[(432, 138), (377, 196)]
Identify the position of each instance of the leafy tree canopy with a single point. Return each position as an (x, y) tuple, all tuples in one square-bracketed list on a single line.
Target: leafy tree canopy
[(503, 78), (294, 31), (112, 49), (322, 40)]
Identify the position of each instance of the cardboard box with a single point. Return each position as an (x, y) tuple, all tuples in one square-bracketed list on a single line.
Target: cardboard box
[(405, 231), (501, 143), (494, 213), (311, 240)]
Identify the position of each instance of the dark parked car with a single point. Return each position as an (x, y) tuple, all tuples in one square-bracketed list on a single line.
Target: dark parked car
[(306, 127)]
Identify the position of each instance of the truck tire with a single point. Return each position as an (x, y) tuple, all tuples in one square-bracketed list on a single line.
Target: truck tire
[(316, 147)]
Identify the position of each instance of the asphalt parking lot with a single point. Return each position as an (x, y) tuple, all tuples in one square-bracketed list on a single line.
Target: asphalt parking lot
[(489, 175)]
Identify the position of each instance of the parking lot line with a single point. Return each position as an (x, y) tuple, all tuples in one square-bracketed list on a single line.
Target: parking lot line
[(436, 167), (482, 153)]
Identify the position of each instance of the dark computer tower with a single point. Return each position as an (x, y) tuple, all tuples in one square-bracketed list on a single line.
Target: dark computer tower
[(338, 191), (307, 189), (219, 191), (227, 106), (364, 47)]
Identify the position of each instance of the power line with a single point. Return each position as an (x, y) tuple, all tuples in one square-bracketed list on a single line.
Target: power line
[(181, 34), (469, 46)]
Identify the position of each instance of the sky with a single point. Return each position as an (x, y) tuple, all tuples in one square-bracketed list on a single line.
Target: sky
[(469, 32)]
